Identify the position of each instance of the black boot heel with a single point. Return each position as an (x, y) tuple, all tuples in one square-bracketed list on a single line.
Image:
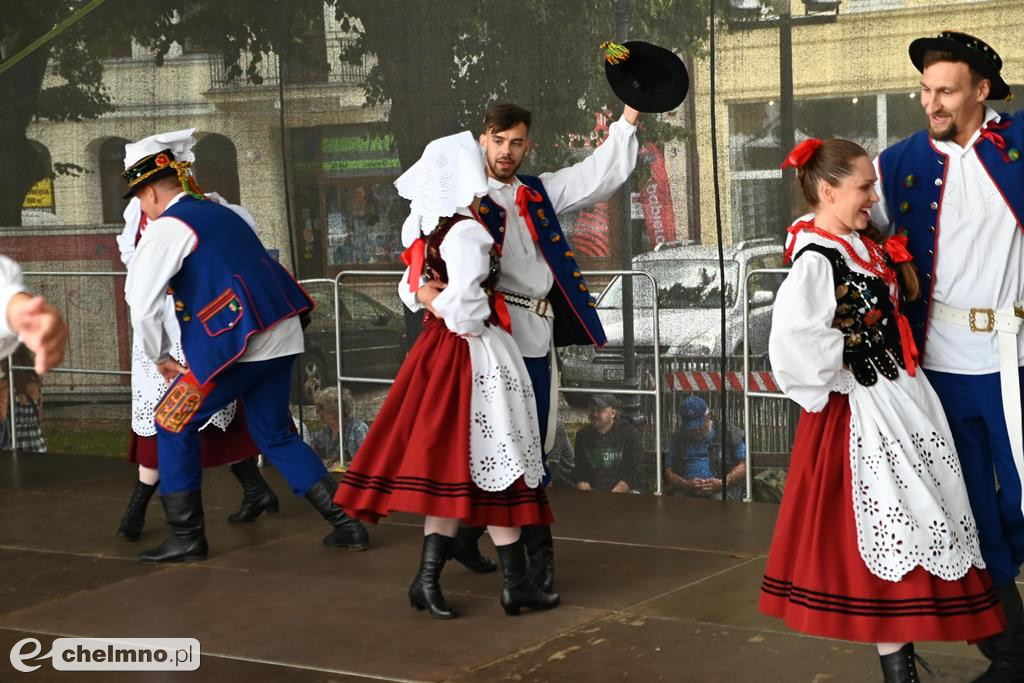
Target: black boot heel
[(518, 589), (135, 514), (425, 591), (257, 497)]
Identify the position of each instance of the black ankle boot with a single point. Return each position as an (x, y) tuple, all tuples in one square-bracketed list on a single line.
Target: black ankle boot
[(187, 541), (348, 532), (540, 555), (518, 590), (900, 666), (425, 591), (1006, 649), (135, 514), (465, 549), (257, 496)]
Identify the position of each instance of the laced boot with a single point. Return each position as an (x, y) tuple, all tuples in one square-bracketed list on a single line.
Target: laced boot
[(135, 514)]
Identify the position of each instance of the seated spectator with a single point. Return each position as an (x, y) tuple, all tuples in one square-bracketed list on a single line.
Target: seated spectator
[(609, 453), (561, 458), (325, 441), (28, 406), (693, 466)]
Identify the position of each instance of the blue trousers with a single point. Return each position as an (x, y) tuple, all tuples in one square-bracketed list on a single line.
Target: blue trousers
[(539, 370), (263, 387), (974, 408)]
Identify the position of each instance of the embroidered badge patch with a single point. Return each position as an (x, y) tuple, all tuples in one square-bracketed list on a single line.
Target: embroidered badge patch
[(181, 403)]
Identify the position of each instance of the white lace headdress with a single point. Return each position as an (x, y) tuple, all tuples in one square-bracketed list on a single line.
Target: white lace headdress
[(447, 178)]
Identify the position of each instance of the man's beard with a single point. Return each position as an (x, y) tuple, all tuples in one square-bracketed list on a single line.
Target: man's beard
[(502, 175), (947, 134)]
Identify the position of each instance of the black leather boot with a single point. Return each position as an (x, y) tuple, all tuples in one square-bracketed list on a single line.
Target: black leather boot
[(540, 555), (900, 666), (1006, 649), (257, 496), (348, 532), (518, 589), (135, 514), (465, 549), (187, 541), (425, 591)]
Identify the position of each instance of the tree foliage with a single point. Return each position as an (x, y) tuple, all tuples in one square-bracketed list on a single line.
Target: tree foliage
[(437, 64)]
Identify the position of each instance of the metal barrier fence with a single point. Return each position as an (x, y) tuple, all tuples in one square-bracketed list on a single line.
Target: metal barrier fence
[(11, 367), (656, 391), (341, 377), (747, 392)]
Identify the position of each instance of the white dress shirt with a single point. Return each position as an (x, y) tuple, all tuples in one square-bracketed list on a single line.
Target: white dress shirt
[(159, 255), (11, 283), (979, 259), (523, 268)]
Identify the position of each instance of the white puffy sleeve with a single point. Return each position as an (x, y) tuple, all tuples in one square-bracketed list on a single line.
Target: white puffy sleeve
[(11, 283), (463, 304), (408, 296), (805, 351)]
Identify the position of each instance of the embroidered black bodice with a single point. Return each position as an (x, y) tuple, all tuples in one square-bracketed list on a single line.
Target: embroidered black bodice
[(435, 268), (866, 317)]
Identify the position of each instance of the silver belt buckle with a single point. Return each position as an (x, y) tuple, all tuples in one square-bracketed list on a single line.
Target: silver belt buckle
[(972, 319), (540, 307)]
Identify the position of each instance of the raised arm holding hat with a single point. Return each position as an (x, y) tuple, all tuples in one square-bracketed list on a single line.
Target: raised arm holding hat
[(238, 312), (956, 190), (549, 300)]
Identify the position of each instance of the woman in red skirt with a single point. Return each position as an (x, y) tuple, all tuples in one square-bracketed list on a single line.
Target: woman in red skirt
[(457, 438), (875, 540), (224, 439)]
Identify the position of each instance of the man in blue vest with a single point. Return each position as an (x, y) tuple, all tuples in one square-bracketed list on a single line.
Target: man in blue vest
[(239, 312), (957, 191)]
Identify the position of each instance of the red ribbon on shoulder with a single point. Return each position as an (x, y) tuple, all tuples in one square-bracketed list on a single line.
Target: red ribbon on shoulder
[(413, 257), (896, 247), (793, 230), (525, 195), (802, 153)]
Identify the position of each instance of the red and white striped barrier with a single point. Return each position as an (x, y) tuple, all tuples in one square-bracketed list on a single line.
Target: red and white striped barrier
[(696, 380)]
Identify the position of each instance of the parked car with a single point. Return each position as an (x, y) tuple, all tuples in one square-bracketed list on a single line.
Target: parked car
[(689, 297), (372, 340)]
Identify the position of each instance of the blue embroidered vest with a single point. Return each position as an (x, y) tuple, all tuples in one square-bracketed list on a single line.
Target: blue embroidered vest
[(576, 319), (913, 177), (228, 289)]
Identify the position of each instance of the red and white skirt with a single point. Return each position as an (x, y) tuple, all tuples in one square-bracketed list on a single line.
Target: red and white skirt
[(219, 446), (416, 455), (816, 580)]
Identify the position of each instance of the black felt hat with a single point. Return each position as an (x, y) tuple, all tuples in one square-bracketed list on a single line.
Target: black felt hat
[(974, 51), (148, 169), (646, 77)]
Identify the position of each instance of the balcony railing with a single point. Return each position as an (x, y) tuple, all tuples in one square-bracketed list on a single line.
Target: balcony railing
[(324, 67)]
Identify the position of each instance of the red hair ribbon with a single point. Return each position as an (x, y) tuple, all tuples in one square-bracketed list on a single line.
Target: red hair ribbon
[(413, 257), (802, 153), (896, 247), (525, 195), (988, 132)]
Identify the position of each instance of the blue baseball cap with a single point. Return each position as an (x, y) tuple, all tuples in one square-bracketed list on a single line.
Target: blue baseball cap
[(693, 410)]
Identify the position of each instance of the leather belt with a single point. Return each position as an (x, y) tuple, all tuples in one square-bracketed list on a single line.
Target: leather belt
[(1006, 323), (541, 307)]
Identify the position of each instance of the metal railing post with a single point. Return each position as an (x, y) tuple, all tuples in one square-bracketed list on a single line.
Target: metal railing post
[(747, 393)]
